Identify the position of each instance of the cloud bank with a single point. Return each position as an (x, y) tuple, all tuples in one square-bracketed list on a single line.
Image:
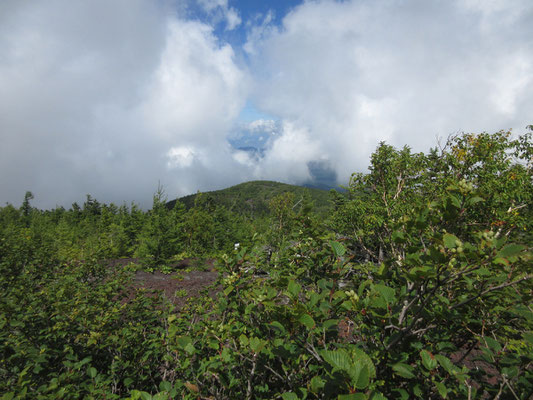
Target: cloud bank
[(109, 98), (346, 75)]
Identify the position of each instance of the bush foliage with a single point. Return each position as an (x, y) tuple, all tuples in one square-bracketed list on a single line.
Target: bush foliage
[(418, 285)]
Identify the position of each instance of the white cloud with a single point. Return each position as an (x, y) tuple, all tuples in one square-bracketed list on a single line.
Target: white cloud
[(354, 73), (220, 10), (109, 98), (103, 98), (180, 157)]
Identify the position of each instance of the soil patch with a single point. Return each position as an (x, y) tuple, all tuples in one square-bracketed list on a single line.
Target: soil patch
[(179, 286)]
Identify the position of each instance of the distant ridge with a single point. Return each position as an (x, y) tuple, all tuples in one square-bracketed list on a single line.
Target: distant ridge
[(252, 197)]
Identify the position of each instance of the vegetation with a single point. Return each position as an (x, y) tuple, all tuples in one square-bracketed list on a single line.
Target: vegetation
[(417, 285), (252, 198)]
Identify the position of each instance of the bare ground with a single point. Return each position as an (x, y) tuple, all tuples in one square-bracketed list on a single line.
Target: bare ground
[(188, 282)]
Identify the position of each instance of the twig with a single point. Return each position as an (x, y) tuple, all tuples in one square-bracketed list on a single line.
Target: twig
[(252, 373), (491, 289)]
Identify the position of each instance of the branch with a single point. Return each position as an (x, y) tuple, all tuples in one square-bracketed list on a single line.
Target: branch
[(252, 373), (491, 289)]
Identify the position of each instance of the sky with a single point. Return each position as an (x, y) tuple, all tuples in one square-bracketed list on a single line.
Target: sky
[(114, 97)]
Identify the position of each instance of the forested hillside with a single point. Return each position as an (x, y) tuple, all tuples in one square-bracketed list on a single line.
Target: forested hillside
[(416, 283), (252, 198)]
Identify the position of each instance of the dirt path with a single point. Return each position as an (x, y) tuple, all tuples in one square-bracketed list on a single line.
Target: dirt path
[(177, 286)]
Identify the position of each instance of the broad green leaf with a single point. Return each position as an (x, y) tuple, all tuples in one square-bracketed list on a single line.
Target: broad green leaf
[(493, 344), (402, 393), (257, 344), (441, 387), (225, 355), (183, 341), (307, 320), (455, 201), (403, 370), (474, 200), (450, 241), (228, 290), (338, 359), (289, 396), (294, 288), (165, 386), (317, 383), (446, 364), (501, 261), (352, 396), (398, 237), (361, 356), (360, 375), (190, 348), (528, 336), (330, 323), (338, 249), (428, 360), (386, 292), (92, 372), (510, 250), (243, 339), (278, 326)]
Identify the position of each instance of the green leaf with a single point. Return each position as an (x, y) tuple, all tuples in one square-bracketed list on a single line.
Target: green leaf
[(294, 288), (243, 339), (165, 386), (278, 326), (307, 320), (474, 200), (317, 383), (428, 360), (446, 364), (361, 356), (398, 237), (403, 394), (352, 396), (289, 396), (510, 250), (338, 359), (338, 249), (257, 344), (360, 375), (92, 372), (493, 344), (441, 387), (386, 292), (403, 370), (228, 290), (190, 348), (183, 341), (450, 241), (146, 396), (528, 336)]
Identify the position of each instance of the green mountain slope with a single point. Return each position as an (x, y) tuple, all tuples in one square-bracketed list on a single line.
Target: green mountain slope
[(252, 197)]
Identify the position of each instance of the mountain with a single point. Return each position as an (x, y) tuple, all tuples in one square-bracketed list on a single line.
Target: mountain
[(253, 197)]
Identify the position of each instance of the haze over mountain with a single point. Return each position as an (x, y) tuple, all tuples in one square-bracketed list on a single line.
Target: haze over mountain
[(112, 97)]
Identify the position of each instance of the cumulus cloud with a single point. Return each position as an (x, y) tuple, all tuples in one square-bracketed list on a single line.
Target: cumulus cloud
[(220, 10), (351, 74), (110, 98)]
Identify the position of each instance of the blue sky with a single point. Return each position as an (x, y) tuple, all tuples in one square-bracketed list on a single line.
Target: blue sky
[(110, 97)]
